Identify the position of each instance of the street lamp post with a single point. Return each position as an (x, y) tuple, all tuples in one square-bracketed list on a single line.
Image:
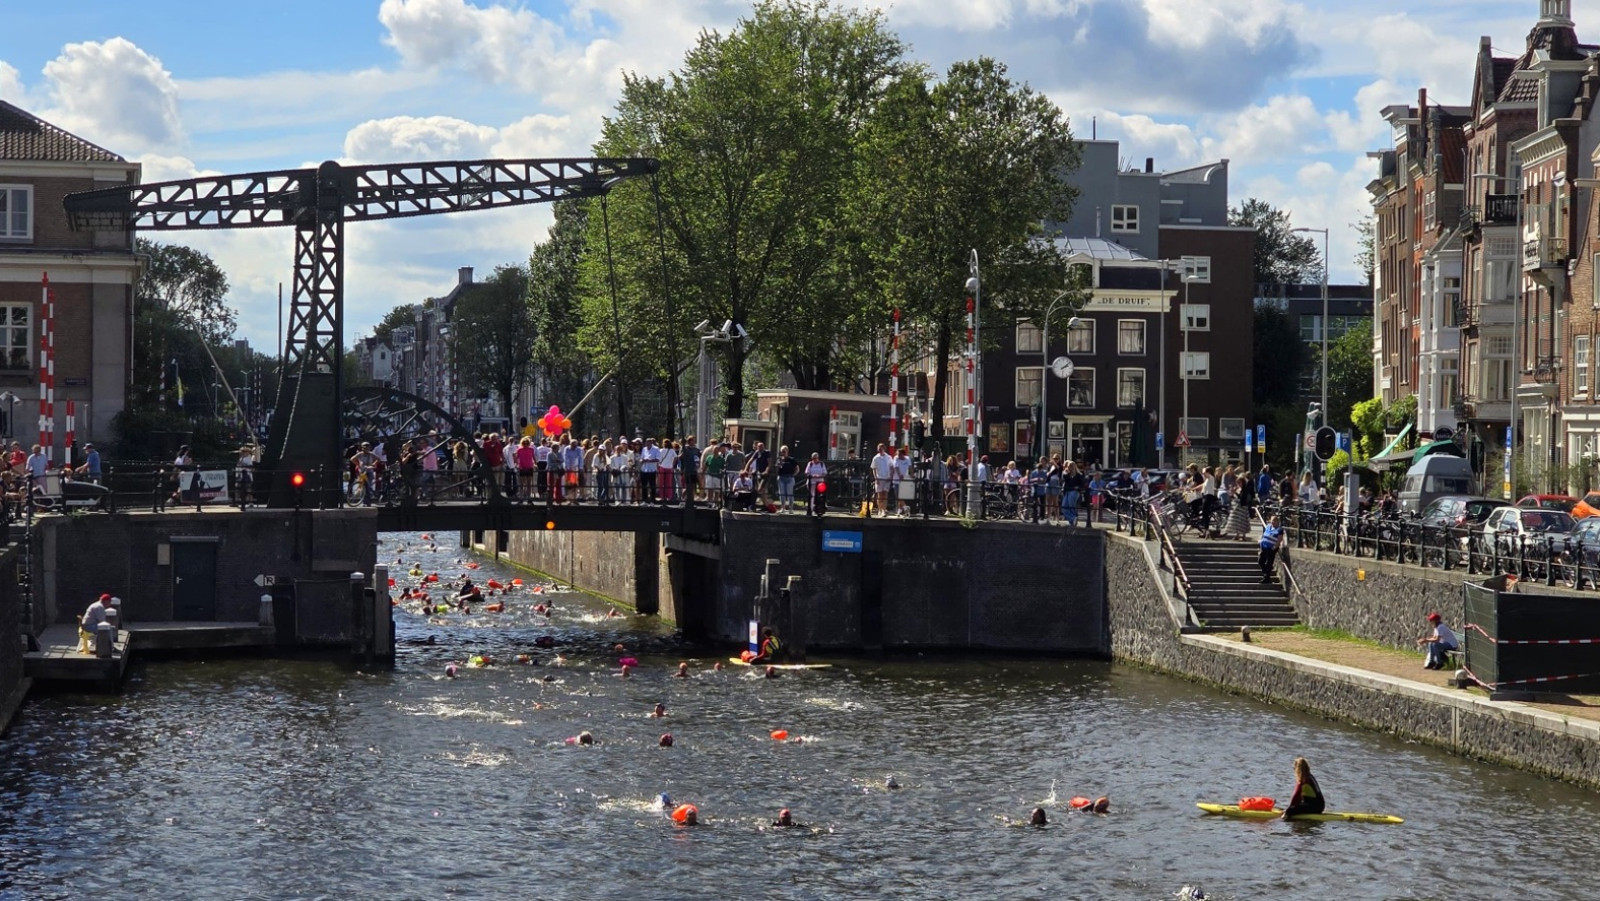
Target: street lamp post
[(974, 389), (1044, 374), (729, 332)]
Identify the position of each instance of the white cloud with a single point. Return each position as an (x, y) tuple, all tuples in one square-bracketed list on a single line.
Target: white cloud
[(114, 94), (11, 85), (1286, 125), (514, 47), (1173, 144), (1192, 24), (412, 138)]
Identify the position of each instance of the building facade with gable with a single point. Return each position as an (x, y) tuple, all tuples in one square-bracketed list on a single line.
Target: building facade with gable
[(91, 275)]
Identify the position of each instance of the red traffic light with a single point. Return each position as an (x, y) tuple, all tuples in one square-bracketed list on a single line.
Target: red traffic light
[(298, 480), (822, 487)]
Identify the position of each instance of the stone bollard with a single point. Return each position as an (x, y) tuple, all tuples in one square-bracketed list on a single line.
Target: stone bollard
[(264, 616), (105, 639), (114, 617), (116, 604)]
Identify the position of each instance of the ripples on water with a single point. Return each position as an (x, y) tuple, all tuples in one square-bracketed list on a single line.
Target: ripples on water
[(292, 779)]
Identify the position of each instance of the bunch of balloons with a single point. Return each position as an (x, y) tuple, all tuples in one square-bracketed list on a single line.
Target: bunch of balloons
[(552, 423)]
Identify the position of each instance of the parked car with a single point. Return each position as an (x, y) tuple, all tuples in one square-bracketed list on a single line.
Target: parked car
[(1519, 531), (1562, 502), (1588, 506), (1464, 514), (1584, 552)]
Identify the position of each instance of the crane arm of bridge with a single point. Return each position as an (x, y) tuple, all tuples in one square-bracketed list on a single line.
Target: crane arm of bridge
[(351, 193)]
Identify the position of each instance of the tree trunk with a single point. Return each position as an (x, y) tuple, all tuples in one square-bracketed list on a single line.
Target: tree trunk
[(941, 375), (735, 358)]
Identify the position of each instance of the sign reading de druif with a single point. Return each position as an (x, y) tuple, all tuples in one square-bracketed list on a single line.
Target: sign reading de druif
[(842, 542)]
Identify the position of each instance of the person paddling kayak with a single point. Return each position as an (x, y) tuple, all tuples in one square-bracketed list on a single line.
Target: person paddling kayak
[(1307, 797)]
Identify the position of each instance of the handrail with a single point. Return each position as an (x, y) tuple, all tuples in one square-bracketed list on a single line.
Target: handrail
[(1169, 549), (1283, 558)]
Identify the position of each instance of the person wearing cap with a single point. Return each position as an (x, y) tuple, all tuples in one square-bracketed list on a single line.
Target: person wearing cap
[(90, 469), (1439, 641), (785, 820), (90, 623)]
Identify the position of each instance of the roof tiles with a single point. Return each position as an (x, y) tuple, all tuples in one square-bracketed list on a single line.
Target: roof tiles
[(24, 136)]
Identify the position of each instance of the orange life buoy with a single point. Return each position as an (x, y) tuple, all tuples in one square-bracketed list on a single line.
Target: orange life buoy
[(780, 734), (680, 814), (1257, 803)]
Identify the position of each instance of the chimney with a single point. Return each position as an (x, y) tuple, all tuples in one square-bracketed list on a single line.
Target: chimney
[(464, 275), (1149, 164)]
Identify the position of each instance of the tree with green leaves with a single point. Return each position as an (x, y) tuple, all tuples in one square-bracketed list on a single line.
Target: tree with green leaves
[(565, 371), (1366, 257), (402, 316), (1282, 257), (492, 334), (187, 284), (972, 162), (1280, 357), (1349, 375), (757, 134)]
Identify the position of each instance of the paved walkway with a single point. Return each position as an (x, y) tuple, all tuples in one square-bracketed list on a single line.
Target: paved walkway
[(1398, 664)]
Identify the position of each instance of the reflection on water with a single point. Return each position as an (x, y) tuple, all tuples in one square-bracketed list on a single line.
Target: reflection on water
[(294, 779)]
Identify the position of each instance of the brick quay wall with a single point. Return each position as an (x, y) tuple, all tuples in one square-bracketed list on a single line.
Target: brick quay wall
[(1383, 603)]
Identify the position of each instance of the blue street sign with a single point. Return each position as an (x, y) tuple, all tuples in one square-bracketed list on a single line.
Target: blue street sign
[(1261, 438), (1344, 441), (1249, 441), (1161, 443), (1508, 438), (841, 542)]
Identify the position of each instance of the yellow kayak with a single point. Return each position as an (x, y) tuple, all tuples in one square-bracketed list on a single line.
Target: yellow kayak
[(740, 662), (1233, 810)]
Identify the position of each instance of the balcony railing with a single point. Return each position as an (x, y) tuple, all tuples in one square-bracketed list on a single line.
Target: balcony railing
[(1544, 253), (1497, 209)]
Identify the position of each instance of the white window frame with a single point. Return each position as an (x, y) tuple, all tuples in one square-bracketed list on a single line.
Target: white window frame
[(1580, 365), (1230, 428), (1080, 373), (1196, 270), (1144, 384), (1030, 338), (10, 330), (1083, 327), (1196, 364), (1125, 218), (1144, 337), (7, 234), (1203, 433), (1196, 317), (1038, 384)]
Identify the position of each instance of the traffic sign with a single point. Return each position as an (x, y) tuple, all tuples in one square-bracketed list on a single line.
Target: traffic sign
[(265, 581), (1160, 442), (1261, 438)]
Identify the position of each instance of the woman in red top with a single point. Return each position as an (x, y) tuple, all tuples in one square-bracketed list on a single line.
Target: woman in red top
[(16, 461)]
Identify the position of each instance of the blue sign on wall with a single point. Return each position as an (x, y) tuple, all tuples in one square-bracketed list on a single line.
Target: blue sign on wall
[(841, 542), (1261, 438)]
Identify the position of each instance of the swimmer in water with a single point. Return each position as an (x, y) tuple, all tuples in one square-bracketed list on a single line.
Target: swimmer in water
[(660, 711), (1037, 818), (772, 672), (1101, 804), (626, 671), (717, 666), (786, 821), (683, 671), (450, 671), (585, 738), (890, 784), (666, 739), (691, 817)]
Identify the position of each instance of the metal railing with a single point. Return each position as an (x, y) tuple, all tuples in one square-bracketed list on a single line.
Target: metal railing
[(1551, 557)]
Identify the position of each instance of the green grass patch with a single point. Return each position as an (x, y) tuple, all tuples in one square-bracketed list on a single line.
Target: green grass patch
[(1339, 635)]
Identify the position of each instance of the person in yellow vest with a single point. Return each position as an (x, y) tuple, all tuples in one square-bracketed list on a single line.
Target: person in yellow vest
[(769, 649)]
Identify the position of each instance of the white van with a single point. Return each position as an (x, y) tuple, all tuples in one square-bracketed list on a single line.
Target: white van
[(1434, 476)]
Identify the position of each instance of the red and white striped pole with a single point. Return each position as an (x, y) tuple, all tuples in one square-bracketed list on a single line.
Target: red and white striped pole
[(72, 431), (833, 432), (894, 383), (47, 368)]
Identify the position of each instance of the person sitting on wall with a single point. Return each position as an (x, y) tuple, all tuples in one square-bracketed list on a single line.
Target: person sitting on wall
[(743, 491), (1440, 641)]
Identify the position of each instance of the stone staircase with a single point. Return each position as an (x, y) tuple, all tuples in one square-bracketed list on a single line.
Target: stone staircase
[(1225, 590)]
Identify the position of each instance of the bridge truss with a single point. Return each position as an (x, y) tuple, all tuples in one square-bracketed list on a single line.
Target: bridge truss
[(306, 432)]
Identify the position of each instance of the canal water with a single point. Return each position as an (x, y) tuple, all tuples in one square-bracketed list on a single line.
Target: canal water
[(255, 779)]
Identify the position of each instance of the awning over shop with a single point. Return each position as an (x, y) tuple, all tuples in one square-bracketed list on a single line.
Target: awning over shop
[(1390, 457)]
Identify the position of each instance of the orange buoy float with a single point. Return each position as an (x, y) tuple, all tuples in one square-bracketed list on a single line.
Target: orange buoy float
[(780, 734), (538, 589), (391, 583), (685, 814), (517, 582), (1079, 802), (495, 584), (426, 537), (470, 565), (431, 577)]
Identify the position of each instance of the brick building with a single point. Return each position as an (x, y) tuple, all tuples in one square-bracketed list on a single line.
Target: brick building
[(1164, 344), (91, 274)]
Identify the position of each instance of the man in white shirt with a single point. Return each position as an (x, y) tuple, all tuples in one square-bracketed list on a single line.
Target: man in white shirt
[(882, 474), (649, 463), (982, 474)]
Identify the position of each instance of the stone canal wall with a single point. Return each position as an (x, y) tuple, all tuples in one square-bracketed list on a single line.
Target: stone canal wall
[(1144, 631), (619, 566), (1383, 602), (13, 685)]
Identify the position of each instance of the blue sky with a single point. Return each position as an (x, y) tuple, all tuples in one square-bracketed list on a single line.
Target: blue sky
[(1289, 92)]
